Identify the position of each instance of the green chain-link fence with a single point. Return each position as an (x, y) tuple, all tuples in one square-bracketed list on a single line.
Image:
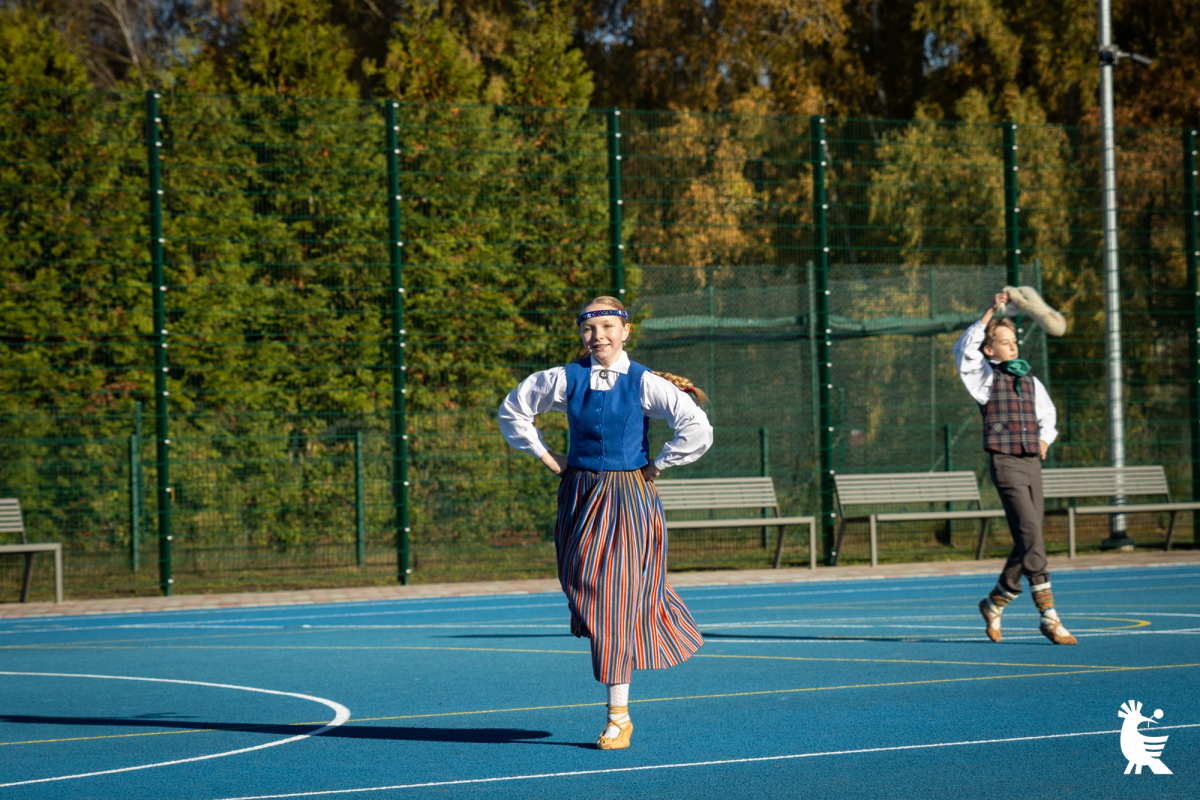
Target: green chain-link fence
[(256, 342)]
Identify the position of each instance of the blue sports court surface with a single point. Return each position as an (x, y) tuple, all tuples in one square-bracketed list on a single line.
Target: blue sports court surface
[(834, 689)]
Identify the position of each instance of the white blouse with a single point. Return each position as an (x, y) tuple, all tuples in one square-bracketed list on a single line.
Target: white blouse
[(977, 375), (546, 391)]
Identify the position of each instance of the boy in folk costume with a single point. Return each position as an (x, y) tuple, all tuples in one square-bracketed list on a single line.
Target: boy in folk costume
[(1018, 429), (610, 537)]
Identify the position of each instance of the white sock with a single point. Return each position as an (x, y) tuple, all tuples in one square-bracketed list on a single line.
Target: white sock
[(618, 695), (1050, 614)]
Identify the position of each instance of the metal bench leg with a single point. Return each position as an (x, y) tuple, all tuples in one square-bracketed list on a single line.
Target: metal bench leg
[(1171, 530), (779, 546), (837, 551), (812, 545), (983, 532), (58, 574), (1071, 532), (874, 541), (28, 577)]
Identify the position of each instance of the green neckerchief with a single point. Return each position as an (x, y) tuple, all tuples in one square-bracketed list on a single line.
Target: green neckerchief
[(1018, 368)]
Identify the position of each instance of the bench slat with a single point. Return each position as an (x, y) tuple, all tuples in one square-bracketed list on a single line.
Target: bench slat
[(906, 487), (715, 493), (986, 513), (1102, 481), (738, 523), (11, 520), (1136, 508), (10, 515)]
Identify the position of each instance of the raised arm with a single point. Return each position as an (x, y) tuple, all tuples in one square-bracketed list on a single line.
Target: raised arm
[(973, 369)]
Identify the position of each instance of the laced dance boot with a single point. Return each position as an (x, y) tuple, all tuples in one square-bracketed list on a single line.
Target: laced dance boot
[(617, 731)]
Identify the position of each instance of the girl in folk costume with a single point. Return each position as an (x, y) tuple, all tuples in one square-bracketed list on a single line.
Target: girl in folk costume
[(610, 537), (1018, 429)]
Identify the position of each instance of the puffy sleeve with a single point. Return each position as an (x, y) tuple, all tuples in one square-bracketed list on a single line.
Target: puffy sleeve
[(974, 370), (540, 393), (661, 399), (1047, 414)]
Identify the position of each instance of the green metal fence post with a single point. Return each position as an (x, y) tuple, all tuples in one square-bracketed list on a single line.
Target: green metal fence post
[(1012, 238), (712, 367), (141, 482), (159, 337), (947, 443), (1045, 352), (825, 352), (137, 430), (396, 289), (841, 429), (933, 361), (135, 505), (947, 447), (1192, 226), (360, 521), (813, 372), (616, 247), (765, 456)]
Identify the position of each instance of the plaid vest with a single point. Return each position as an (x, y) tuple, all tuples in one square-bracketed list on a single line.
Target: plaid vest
[(1010, 423)]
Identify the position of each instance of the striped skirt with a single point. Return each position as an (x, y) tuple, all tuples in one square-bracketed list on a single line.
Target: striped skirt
[(611, 543)]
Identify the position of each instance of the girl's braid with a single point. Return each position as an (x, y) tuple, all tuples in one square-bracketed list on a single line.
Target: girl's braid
[(684, 385)]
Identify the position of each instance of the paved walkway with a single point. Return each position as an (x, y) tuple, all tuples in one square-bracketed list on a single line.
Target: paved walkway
[(987, 567)]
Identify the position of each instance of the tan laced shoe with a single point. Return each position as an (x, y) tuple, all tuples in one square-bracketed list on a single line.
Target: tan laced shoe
[(621, 740), (1053, 630), (992, 618)]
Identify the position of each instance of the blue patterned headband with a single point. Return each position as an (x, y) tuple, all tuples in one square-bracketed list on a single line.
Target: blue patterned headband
[(604, 312)]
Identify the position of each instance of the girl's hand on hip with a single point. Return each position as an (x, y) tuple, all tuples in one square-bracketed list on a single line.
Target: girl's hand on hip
[(650, 472), (1044, 447), (554, 462)]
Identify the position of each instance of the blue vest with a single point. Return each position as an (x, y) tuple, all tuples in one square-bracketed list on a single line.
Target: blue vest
[(609, 432)]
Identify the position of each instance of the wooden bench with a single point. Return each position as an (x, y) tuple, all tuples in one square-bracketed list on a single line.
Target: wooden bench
[(905, 488), (1081, 482), (11, 521), (709, 494)]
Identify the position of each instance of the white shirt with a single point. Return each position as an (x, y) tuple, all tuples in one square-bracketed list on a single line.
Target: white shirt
[(547, 391), (977, 374)]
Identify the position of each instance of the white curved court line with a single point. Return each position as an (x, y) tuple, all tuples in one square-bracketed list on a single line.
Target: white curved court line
[(341, 714), (760, 759)]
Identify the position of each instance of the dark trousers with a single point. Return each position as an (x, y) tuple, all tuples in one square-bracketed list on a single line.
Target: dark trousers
[(1018, 479)]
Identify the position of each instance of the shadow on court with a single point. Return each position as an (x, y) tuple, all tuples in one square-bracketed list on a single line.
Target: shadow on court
[(906, 639), (507, 636), (393, 733)]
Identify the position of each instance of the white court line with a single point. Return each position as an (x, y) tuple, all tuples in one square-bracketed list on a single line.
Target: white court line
[(813, 640), (692, 764), (283, 607), (1086, 575), (340, 711), (685, 592), (186, 625), (868, 589), (889, 622)]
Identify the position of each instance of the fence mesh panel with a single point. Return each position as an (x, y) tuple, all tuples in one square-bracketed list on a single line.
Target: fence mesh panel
[(284, 274)]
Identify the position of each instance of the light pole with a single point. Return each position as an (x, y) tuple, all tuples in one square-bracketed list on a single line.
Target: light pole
[(1110, 55)]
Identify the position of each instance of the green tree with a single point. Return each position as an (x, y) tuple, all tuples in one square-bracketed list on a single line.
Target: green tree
[(73, 265)]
